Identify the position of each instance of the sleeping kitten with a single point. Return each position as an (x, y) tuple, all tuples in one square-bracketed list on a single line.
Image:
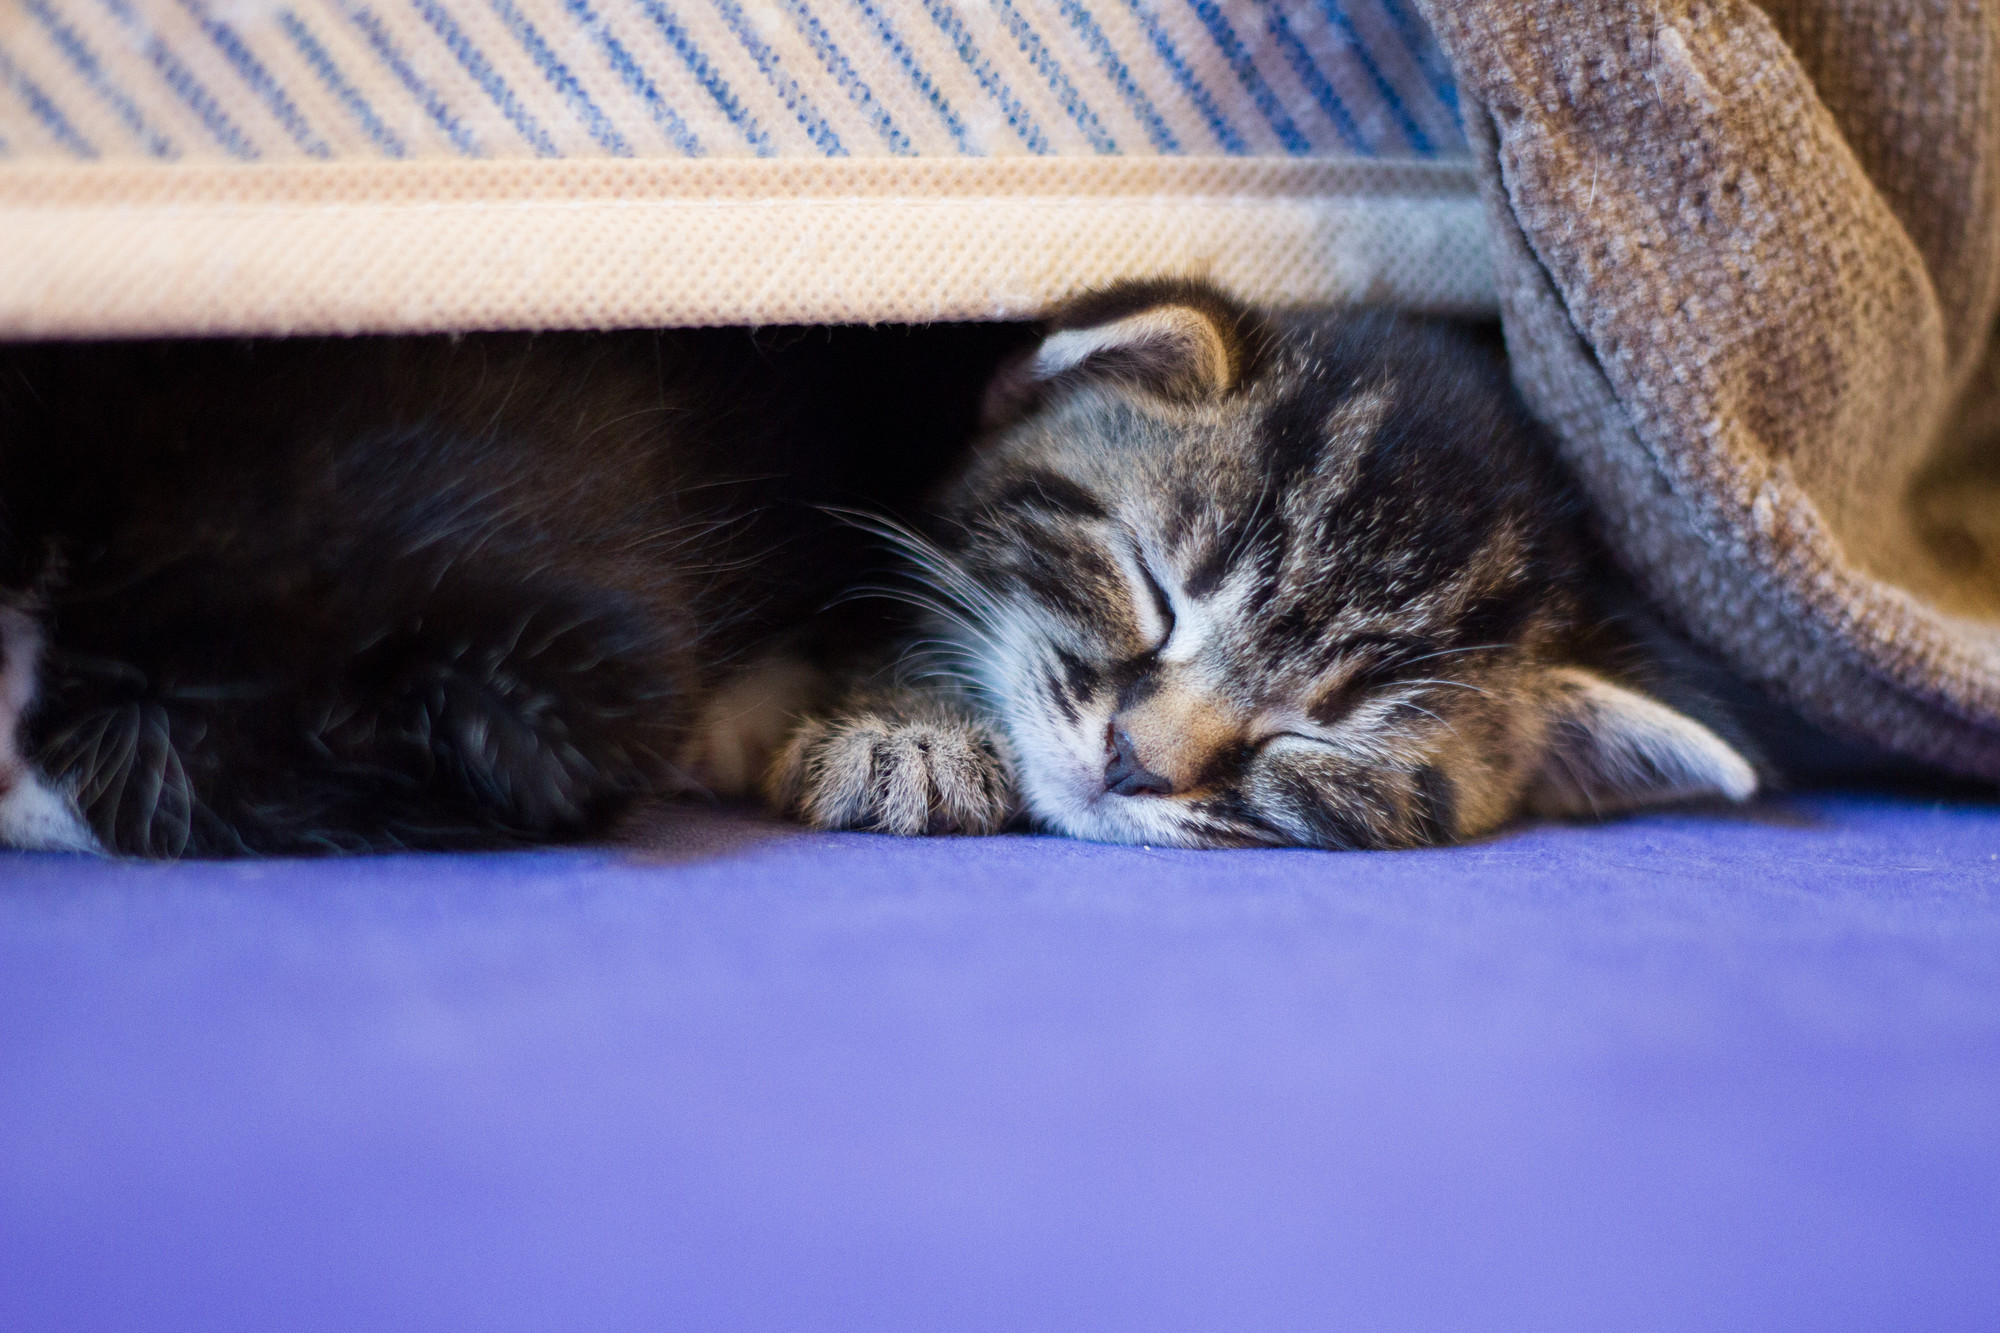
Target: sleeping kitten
[(1215, 579), (334, 595)]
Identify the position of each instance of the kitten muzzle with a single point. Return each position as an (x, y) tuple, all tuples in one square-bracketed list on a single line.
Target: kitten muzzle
[(1169, 743), (1126, 774)]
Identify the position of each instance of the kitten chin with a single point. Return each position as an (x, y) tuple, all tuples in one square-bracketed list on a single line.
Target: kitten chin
[(1215, 577)]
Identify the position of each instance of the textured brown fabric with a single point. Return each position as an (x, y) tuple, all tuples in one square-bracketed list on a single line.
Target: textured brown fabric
[(1748, 261)]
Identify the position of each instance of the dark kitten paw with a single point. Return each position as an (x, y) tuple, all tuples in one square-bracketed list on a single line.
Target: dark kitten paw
[(888, 774)]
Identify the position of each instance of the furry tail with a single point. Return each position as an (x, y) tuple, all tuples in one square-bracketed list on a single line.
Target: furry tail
[(497, 717)]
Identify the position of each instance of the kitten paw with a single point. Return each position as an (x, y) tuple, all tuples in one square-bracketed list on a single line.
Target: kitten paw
[(895, 775)]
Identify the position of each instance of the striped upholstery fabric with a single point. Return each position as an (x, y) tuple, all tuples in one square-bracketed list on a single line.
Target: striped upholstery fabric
[(345, 166), (262, 80)]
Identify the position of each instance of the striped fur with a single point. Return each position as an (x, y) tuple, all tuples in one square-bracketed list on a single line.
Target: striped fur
[(1228, 580)]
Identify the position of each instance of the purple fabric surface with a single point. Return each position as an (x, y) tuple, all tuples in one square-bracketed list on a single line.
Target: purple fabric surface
[(1687, 1071)]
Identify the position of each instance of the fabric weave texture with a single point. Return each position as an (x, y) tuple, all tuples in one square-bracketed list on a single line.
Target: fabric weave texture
[(340, 79), (174, 167), (1746, 258)]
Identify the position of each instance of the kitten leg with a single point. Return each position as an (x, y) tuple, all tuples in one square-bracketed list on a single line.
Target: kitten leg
[(33, 815), (745, 721), (897, 761)]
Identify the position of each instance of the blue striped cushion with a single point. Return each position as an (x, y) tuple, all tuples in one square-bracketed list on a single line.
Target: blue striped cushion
[(328, 79)]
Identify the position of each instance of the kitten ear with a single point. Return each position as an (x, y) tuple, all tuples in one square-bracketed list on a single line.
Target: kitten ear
[(1181, 351), (1180, 340), (1611, 749)]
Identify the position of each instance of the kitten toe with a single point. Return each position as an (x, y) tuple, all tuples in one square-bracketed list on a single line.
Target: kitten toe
[(908, 777)]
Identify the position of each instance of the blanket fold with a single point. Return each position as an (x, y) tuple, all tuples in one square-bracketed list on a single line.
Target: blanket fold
[(1746, 258)]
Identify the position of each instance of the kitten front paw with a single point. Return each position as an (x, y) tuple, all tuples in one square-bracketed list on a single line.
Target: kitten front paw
[(895, 775)]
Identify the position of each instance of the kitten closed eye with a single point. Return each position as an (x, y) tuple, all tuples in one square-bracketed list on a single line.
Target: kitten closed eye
[(1163, 606), (1216, 578)]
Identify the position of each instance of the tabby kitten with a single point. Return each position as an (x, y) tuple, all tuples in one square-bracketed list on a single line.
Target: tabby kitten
[(336, 595), (1218, 579)]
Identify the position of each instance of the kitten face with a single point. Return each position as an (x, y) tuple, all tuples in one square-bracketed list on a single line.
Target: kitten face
[(1311, 583)]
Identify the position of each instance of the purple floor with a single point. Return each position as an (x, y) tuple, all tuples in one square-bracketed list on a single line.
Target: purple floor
[(1691, 1071)]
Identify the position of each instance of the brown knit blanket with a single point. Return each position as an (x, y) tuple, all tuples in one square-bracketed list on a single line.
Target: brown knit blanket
[(1749, 259)]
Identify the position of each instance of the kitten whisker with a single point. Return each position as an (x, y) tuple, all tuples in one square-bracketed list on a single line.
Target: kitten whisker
[(1405, 703), (1450, 652), (922, 552), (1460, 684)]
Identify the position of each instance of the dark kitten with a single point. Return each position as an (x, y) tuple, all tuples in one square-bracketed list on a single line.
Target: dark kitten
[(1217, 579), (347, 594)]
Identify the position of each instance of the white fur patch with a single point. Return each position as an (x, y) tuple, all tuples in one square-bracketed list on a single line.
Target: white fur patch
[(33, 815)]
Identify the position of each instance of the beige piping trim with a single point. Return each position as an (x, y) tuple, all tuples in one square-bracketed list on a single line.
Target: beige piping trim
[(348, 248)]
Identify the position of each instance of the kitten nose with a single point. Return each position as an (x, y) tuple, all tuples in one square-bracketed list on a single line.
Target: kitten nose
[(1125, 775)]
